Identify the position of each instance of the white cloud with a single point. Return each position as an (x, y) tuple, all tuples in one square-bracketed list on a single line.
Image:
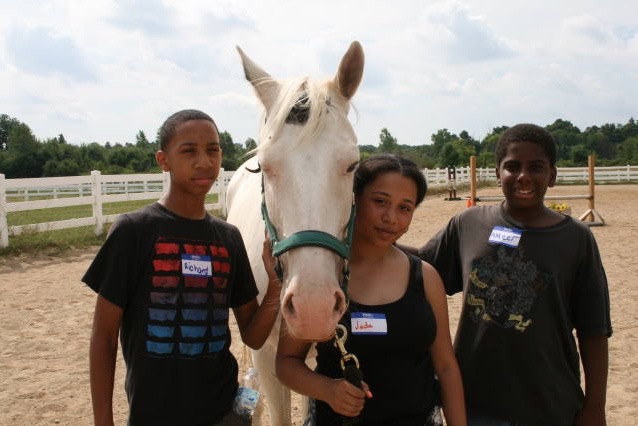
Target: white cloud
[(103, 70)]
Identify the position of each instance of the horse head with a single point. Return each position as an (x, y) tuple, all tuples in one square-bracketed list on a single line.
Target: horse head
[(307, 153)]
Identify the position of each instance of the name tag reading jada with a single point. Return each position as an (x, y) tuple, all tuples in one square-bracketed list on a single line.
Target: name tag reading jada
[(196, 266), (505, 236), (368, 323)]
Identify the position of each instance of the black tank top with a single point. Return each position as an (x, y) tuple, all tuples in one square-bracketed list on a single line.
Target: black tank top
[(396, 365)]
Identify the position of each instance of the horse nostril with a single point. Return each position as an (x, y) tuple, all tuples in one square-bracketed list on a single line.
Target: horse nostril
[(288, 306)]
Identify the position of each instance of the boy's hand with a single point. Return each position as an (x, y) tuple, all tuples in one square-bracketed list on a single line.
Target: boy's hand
[(269, 263)]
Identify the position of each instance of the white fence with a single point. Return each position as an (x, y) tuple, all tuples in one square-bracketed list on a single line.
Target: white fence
[(615, 174), (18, 195), (43, 193)]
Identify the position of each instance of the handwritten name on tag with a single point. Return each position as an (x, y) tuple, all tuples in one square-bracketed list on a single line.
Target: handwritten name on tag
[(368, 323), (505, 236), (196, 266)]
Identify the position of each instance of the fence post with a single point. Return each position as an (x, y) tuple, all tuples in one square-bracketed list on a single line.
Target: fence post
[(4, 228), (96, 193)]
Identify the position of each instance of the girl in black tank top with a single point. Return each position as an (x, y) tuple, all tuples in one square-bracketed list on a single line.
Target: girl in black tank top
[(395, 364), (397, 320)]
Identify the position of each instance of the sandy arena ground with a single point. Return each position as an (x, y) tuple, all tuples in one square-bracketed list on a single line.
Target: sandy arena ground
[(46, 314)]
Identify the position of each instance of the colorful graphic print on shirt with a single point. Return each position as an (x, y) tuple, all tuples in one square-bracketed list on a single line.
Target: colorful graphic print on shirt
[(503, 289), (188, 306)]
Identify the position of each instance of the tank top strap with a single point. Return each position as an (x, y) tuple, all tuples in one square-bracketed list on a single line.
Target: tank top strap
[(416, 275)]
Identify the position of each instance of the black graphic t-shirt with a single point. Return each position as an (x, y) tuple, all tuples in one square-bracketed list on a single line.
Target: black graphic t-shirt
[(525, 291), (176, 280)]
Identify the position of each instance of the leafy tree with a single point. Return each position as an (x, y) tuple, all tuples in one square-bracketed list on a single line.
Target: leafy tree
[(628, 151), (579, 155), (439, 139), (449, 156), (387, 142), (561, 125), (118, 159), (233, 153), (486, 157), (250, 144), (23, 153), (61, 168), (7, 124), (140, 140)]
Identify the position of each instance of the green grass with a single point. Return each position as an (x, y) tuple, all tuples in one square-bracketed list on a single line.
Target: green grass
[(73, 212), (53, 243)]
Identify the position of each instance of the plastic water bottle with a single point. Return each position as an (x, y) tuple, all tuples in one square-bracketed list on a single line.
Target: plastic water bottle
[(247, 395)]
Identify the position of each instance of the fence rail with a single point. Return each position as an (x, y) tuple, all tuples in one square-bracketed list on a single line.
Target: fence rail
[(18, 195), (613, 174)]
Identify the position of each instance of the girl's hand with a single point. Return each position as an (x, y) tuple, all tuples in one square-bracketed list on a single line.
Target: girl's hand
[(347, 399)]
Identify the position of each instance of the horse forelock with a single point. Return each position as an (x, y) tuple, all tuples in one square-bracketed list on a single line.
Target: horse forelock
[(300, 94)]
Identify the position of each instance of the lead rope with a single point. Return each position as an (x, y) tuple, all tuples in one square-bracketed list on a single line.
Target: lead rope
[(349, 365)]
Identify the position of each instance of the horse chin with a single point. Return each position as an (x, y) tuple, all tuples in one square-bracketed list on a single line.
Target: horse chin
[(314, 333)]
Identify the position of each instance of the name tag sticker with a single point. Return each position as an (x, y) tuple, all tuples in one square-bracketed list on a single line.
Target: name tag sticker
[(505, 236), (368, 323), (196, 266)]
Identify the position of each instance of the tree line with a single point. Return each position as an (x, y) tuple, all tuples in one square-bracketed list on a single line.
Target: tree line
[(23, 155)]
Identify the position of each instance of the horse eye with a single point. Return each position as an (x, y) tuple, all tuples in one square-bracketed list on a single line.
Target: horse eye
[(353, 167)]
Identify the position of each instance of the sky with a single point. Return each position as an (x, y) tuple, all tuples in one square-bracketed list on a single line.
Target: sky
[(102, 70)]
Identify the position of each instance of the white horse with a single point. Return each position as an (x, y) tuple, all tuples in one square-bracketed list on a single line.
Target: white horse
[(300, 182)]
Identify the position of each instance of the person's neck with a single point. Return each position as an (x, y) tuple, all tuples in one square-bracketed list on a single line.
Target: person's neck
[(540, 217), (365, 253), (186, 207)]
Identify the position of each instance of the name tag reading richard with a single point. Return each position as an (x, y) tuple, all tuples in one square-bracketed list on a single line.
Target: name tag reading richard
[(505, 236), (368, 323), (196, 266)]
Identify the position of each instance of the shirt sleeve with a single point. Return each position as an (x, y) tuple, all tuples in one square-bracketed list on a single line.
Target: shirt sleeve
[(442, 252), (590, 305), (112, 268), (244, 287)]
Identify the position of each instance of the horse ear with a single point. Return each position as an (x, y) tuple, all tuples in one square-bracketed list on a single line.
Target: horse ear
[(350, 70), (265, 86)]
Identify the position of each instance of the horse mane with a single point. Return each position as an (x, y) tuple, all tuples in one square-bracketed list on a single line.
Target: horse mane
[(301, 93)]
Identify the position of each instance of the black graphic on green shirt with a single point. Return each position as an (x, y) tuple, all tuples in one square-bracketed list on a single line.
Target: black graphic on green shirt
[(503, 288)]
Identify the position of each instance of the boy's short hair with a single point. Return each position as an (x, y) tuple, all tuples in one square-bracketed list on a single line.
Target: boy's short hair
[(526, 132), (376, 165), (167, 130)]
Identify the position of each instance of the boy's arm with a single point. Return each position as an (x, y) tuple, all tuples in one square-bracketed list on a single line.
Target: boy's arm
[(253, 320), (102, 358), (595, 357)]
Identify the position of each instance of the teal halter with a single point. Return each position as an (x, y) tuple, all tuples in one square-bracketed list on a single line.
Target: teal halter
[(309, 237)]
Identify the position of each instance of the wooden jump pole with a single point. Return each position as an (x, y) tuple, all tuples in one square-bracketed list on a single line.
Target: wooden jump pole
[(591, 217)]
